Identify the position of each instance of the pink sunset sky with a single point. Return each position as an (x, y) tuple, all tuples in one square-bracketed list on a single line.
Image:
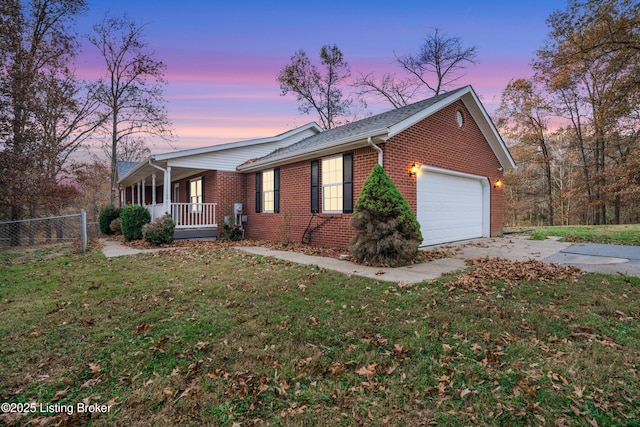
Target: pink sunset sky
[(223, 57)]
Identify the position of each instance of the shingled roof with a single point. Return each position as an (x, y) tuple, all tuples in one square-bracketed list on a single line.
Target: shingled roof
[(381, 127), (364, 127)]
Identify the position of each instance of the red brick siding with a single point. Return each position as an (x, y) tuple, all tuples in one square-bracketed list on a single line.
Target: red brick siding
[(223, 188), (436, 141), (291, 222)]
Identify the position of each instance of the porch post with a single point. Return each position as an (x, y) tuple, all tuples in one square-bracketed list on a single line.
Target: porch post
[(153, 196), (139, 192), (144, 187), (153, 189), (167, 192), (133, 193)]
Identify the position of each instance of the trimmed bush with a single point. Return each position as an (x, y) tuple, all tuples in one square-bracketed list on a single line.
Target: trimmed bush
[(231, 231), (160, 231), (116, 226), (134, 217), (107, 215), (387, 231)]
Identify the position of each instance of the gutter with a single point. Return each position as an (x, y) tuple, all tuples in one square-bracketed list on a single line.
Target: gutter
[(378, 149), (310, 152)]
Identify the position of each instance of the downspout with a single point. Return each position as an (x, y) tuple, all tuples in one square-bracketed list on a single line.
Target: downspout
[(166, 199), (378, 149)]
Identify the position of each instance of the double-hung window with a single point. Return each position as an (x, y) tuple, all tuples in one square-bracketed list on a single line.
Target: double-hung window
[(268, 191), (195, 195), (336, 183), (332, 194)]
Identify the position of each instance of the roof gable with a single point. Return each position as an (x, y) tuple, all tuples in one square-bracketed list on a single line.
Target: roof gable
[(384, 126)]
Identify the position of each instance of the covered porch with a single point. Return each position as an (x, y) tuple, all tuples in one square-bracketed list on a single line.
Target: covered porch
[(163, 189)]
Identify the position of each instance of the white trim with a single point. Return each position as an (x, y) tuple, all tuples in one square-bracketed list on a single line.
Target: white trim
[(272, 191), (339, 185), (237, 144)]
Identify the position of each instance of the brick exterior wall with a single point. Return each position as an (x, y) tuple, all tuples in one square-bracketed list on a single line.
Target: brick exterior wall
[(295, 214), (436, 141), (223, 188)]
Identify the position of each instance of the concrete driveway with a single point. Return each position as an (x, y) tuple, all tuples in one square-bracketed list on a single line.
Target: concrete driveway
[(589, 257), (600, 258)]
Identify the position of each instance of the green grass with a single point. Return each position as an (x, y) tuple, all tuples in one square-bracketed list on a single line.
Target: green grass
[(628, 234), (213, 336)]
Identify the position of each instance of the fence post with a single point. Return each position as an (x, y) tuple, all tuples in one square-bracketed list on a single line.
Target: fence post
[(83, 231)]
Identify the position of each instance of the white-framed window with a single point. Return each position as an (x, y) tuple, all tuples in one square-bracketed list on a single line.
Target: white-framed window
[(195, 194), (268, 191), (332, 188), (176, 192)]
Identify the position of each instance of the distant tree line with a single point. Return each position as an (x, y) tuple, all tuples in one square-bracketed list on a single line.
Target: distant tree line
[(574, 126), (47, 113)]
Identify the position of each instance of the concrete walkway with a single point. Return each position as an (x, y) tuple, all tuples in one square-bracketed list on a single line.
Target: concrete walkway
[(113, 248), (589, 257), (511, 248)]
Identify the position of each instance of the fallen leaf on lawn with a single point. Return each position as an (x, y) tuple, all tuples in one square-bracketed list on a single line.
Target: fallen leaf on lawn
[(336, 369), (202, 345), (367, 371), (60, 394), (90, 383), (464, 393), (143, 328), (95, 367), (282, 388)]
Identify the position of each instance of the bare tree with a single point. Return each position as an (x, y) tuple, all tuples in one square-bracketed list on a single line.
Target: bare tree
[(524, 116), (318, 91), (594, 79), (128, 150), (44, 110), (439, 64), (131, 92)]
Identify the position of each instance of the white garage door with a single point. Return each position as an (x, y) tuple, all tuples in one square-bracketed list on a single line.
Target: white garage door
[(450, 207)]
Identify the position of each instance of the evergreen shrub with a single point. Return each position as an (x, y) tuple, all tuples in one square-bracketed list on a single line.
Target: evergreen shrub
[(134, 217), (387, 231), (107, 215)]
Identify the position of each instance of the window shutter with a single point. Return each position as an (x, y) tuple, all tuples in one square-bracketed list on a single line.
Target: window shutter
[(258, 203), (315, 208), (347, 183), (202, 189), (276, 190)]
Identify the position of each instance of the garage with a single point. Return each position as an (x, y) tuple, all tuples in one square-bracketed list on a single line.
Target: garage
[(451, 206)]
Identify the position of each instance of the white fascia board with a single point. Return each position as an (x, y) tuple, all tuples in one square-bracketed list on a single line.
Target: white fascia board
[(479, 114), (237, 144), (484, 122), (313, 152), (421, 115), (135, 170)]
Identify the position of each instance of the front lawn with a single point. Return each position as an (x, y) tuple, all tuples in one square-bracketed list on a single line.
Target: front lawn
[(212, 336), (627, 234)]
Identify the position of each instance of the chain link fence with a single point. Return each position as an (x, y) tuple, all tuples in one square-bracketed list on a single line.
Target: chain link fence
[(38, 231)]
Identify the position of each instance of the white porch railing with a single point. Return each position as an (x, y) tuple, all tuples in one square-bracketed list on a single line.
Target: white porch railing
[(188, 215), (194, 215)]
